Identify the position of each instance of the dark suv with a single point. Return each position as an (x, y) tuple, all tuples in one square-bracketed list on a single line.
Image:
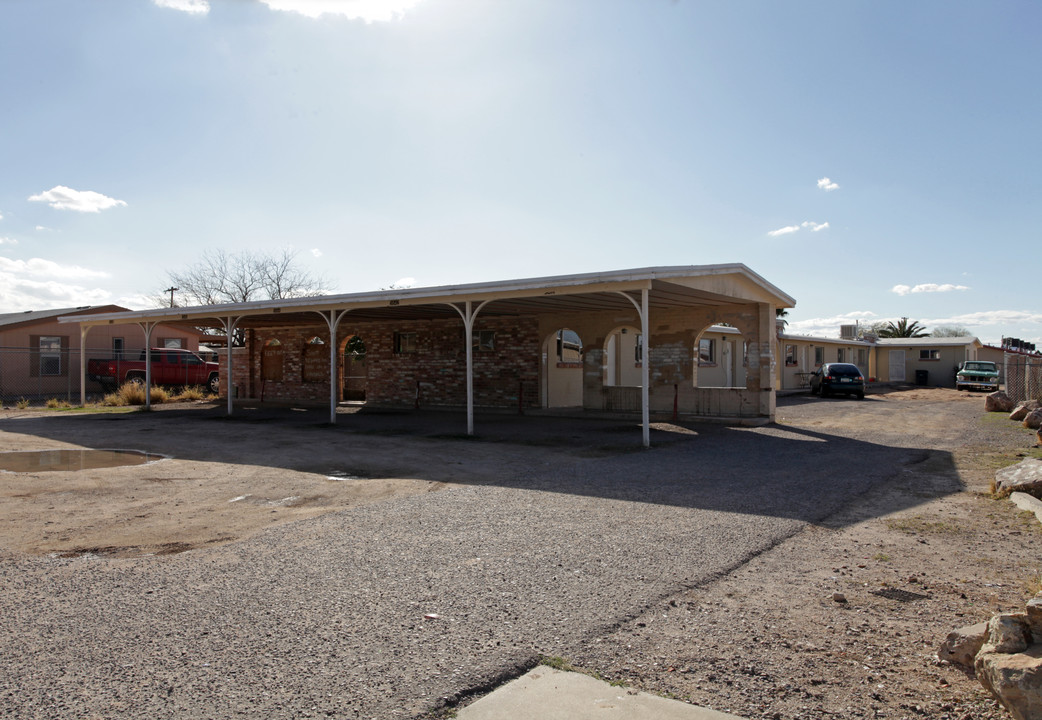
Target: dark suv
[(838, 378)]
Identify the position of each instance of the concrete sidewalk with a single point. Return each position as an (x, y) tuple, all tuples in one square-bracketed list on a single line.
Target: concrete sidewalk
[(544, 693)]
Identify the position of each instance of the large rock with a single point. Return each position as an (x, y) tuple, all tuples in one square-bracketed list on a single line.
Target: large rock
[(1008, 633), (1034, 420), (1035, 617), (1014, 679), (998, 401), (1025, 476), (1022, 410), (962, 645)]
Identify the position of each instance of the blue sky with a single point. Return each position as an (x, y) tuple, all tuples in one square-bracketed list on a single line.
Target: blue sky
[(872, 159)]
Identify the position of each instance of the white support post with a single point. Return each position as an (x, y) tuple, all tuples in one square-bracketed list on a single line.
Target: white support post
[(468, 313), (147, 328), (645, 364), (645, 369), (333, 318), (83, 364), (229, 329)]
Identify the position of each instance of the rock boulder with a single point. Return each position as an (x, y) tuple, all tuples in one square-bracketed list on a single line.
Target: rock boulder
[(1022, 410), (1015, 680), (1033, 420), (1025, 476), (962, 645), (998, 401)]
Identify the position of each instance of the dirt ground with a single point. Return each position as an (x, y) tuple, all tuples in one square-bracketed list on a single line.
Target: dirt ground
[(844, 620), (841, 620)]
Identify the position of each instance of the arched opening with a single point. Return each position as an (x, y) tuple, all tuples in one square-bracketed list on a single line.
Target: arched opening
[(563, 363), (720, 358), (355, 375), (623, 357)]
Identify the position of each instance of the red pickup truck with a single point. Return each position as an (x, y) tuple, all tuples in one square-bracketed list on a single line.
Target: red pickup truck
[(170, 366)]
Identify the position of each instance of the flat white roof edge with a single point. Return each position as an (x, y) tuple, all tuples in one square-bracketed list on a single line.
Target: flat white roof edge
[(444, 292)]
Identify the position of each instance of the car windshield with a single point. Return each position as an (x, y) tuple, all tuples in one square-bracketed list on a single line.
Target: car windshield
[(980, 366), (844, 370)]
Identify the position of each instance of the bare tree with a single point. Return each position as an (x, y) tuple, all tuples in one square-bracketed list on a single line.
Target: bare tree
[(950, 331), (223, 278)]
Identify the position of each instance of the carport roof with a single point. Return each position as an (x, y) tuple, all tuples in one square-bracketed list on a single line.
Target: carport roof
[(668, 287)]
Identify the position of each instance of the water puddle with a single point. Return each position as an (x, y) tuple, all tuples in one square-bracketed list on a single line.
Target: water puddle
[(29, 461), (344, 476)]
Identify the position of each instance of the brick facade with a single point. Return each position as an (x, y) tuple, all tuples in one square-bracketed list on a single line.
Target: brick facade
[(433, 372), (410, 362)]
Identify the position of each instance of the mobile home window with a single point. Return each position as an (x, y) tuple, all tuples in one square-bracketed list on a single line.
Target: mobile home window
[(790, 355), (819, 356), (840, 355), (929, 354), (50, 355)]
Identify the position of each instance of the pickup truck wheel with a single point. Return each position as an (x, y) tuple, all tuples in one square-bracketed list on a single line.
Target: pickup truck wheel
[(214, 383), (136, 379)]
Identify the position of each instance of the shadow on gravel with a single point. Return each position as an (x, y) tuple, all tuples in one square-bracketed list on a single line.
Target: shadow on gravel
[(774, 471)]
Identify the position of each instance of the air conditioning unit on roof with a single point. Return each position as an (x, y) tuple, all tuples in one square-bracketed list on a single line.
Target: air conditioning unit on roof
[(848, 332)]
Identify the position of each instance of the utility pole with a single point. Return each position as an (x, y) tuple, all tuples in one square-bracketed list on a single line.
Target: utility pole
[(171, 290)]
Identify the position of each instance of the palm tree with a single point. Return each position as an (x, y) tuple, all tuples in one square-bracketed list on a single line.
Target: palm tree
[(903, 329)]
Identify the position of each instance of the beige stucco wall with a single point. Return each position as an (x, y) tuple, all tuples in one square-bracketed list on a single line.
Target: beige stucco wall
[(19, 357), (794, 376), (941, 372)]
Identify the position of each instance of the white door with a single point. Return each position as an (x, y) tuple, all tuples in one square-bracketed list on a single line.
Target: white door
[(728, 365), (897, 366)]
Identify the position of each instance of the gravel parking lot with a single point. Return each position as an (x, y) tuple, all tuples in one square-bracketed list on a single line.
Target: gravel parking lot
[(386, 567)]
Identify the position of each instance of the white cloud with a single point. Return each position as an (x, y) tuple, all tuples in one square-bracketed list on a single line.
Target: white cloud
[(196, 7), (8, 241), (63, 198), (39, 284), (367, 10), (316, 252), (48, 268), (993, 317), (829, 326), (790, 229), (405, 282), (926, 288), (827, 185)]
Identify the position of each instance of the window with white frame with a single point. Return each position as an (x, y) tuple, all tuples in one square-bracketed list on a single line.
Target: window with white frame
[(819, 356), (50, 355), (926, 354)]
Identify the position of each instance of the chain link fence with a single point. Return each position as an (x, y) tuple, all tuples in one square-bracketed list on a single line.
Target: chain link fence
[(34, 376), (1023, 377)]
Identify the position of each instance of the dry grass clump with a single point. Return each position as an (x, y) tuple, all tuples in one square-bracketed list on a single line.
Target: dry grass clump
[(56, 404), (133, 393), (190, 394)]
